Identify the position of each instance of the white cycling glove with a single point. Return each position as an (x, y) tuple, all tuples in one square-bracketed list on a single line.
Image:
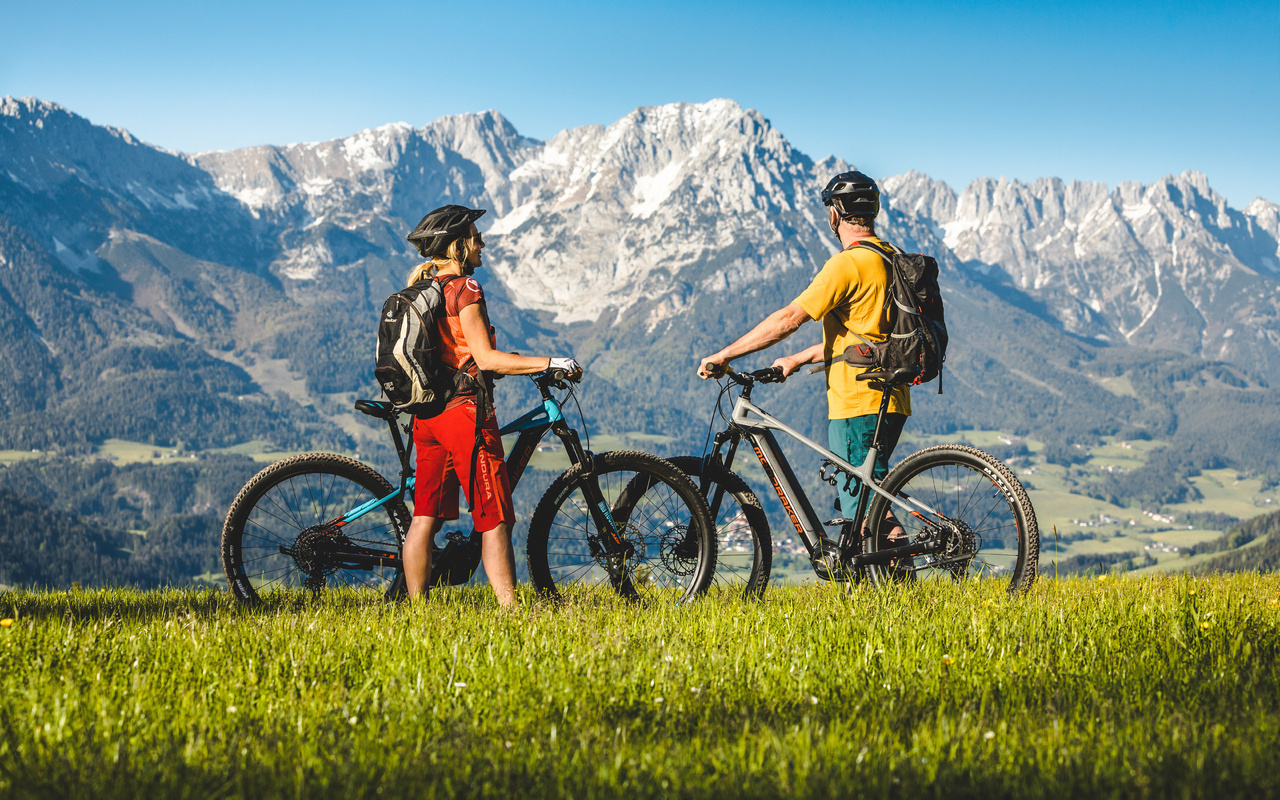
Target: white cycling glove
[(569, 365)]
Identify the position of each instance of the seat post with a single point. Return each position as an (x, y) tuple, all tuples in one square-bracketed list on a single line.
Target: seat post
[(401, 450), (885, 393)]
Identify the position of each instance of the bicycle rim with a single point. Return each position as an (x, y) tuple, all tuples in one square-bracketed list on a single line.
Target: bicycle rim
[(661, 518), (992, 532), (279, 534), (744, 546)]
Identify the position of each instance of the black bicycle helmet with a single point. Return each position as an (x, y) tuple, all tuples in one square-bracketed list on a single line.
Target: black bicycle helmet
[(438, 229), (853, 195)]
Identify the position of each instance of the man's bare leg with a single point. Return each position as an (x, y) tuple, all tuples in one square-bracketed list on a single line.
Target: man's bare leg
[(500, 563), (417, 554), (891, 528)]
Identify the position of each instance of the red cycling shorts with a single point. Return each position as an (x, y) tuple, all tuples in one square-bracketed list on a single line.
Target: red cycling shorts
[(444, 447)]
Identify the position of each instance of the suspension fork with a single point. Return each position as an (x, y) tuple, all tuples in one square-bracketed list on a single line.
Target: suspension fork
[(728, 437), (597, 506)]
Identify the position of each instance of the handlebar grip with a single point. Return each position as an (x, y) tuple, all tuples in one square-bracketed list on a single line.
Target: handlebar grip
[(769, 375), (557, 377)]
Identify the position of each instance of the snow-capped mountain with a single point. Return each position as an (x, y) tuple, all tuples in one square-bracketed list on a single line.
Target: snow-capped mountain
[(638, 245), (1168, 264), (588, 221), (601, 218)]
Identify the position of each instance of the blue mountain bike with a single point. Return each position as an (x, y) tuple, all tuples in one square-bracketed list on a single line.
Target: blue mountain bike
[(629, 522)]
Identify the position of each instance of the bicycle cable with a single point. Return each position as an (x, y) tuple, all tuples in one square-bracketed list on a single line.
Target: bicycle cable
[(718, 412), (582, 418)]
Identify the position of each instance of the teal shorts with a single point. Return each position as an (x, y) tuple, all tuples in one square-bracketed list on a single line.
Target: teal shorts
[(851, 439)]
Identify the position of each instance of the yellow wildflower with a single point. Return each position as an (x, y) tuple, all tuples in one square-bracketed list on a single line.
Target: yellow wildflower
[(4, 623), (947, 660)]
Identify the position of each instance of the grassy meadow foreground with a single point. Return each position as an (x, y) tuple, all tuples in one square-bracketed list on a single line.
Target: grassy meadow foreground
[(1159, 686)]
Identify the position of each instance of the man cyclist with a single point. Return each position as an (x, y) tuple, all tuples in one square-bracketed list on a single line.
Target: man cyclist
[(848, 295)]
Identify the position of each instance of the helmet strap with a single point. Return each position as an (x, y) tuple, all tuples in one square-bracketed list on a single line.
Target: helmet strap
[(834, 224)]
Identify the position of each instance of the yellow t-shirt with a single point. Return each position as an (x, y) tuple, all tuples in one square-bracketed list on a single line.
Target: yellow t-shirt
[(848, 296)]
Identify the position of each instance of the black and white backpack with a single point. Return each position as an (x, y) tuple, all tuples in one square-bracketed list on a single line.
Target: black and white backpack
[(410, 369), (918, 338)]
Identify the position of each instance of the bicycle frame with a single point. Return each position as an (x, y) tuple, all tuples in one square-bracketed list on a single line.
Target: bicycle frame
[(459, 559), (756, 425)]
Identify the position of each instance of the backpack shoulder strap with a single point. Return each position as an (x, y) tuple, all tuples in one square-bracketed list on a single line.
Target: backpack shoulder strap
[(890, 299), (874, 247)]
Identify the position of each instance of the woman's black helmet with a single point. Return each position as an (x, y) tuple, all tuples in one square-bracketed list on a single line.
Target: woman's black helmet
[(853, 195), (438, 229)]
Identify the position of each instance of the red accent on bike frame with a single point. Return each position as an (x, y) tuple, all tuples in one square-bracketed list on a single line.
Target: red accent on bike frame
[(778, 488)]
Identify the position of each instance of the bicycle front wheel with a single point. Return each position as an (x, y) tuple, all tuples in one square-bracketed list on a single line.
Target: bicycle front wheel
[(667, 552), (280, 532), (744, 547), (987, 528)]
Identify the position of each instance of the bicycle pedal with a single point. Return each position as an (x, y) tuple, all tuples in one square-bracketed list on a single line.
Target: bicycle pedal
[(826, 561), (837, 521)]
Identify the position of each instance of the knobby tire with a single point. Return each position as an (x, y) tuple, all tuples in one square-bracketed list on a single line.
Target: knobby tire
[(288, 503), (744, 546), (661, 515), (998, 535)]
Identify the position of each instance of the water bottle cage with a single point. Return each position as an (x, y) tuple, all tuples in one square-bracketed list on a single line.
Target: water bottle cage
[(834, 476)]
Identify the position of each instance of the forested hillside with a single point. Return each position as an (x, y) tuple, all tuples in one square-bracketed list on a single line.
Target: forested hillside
[(1263, 533)]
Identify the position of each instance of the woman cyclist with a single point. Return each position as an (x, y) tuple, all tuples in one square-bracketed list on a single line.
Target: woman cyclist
[(450, 444)]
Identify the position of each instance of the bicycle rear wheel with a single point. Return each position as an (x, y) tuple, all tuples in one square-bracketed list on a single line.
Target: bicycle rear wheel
[(989, 528), (279, 533), (666, 530), (744, 547)]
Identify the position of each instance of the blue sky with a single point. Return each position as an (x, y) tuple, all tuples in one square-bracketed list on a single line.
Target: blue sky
[(1107, 91)]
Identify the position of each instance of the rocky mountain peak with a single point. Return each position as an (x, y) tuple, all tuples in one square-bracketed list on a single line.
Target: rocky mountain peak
[(601, 217)]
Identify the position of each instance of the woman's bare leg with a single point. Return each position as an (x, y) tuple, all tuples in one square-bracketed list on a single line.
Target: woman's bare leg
[(500, 563), (417, 554)]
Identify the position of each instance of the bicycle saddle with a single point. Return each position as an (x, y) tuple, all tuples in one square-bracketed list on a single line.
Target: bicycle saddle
[(890, 378), (376, 408)]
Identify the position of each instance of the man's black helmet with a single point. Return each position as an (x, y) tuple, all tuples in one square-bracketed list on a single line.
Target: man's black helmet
[(853, 195), (438, 229)]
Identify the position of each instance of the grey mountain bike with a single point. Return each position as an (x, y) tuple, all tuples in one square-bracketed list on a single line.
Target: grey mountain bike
[(627, 522), (963, 512)]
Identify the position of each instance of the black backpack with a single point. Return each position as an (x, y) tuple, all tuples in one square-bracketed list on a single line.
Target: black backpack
[(409, 369), (918, 338)]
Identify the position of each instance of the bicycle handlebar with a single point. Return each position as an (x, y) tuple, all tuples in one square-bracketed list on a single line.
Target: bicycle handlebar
[(774, 375), (556, 378), (766, 375)]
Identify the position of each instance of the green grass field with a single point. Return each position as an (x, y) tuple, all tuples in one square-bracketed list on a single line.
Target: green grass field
[(1155, 687)]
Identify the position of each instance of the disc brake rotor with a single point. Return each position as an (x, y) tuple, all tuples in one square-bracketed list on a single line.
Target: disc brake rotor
[(673, 550), (959, 546)]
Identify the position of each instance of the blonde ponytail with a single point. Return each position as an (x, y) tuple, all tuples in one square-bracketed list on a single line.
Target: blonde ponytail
[(457, 253)]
